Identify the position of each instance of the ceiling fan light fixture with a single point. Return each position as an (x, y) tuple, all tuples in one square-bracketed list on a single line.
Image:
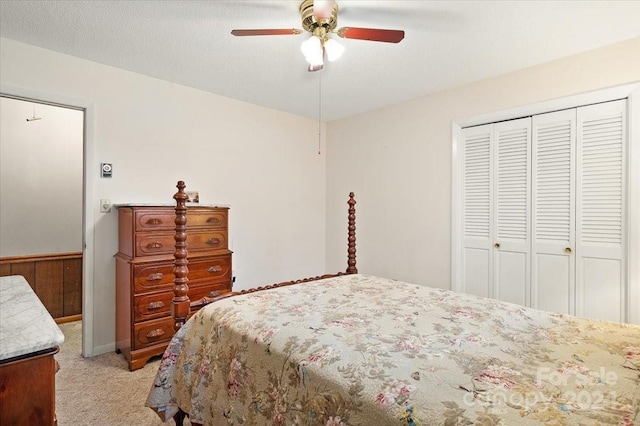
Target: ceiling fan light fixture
[(313, 51), (333, 49), (320, 18)]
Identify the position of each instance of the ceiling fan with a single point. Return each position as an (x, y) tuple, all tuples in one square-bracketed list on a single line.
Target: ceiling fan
[(320, 18)]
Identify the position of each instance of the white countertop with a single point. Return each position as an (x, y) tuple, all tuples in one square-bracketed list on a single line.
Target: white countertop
[(25, 324)]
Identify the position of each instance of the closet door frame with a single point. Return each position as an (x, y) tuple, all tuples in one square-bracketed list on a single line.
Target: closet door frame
[(630, 92)]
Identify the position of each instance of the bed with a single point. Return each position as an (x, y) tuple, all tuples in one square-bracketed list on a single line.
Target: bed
[(354, 349)]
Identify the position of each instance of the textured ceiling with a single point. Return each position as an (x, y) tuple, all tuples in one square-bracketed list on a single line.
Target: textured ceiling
[(447, 44)]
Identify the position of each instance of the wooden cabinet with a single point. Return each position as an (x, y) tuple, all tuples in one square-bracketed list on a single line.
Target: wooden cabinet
[(29, 338), (31, 375), (144, 272)]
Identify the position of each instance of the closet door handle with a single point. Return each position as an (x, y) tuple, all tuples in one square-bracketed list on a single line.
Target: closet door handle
[(568, 250), (496, 245)]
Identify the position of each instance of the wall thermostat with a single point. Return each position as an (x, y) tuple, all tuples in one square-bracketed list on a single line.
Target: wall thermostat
[(106, 170)]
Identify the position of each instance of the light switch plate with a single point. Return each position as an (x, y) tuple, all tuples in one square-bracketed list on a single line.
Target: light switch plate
[(105, 205)]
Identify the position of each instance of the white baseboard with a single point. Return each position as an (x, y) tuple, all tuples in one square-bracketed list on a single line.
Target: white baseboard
[(99, 350)]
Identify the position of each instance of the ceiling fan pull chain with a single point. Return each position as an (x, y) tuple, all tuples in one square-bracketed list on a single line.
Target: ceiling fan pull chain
[(319, 111)]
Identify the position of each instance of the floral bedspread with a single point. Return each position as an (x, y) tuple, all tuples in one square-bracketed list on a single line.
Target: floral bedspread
[(361, 350)]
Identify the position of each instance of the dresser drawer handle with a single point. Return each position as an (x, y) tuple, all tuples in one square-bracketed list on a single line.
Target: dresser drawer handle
[(213, 220), (153, 221), (155, 305), (155, 333), (216, 268), (213, 241), (155, 276), (154, 245)]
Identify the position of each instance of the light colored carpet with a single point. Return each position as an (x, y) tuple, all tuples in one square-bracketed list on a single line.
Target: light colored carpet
[(100, 390)]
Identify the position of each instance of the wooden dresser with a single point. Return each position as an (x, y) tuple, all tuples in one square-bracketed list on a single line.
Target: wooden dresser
[(144, 272), (29, 338)]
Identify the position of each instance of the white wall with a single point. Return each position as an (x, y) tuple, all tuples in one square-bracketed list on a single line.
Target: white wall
[(262, 162), (40, 179), (398, 161)]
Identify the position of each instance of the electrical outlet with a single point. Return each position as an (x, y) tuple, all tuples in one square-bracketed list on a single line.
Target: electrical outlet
[(105, 206)]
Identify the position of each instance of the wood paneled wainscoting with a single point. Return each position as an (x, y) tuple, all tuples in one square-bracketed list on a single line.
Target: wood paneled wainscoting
[(55, 278)]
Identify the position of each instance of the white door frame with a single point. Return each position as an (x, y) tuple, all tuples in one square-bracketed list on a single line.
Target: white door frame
[(629, 91), (89, 178)]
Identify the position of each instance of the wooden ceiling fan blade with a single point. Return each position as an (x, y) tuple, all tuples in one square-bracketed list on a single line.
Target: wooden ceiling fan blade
[(265, 32), (372, 34)]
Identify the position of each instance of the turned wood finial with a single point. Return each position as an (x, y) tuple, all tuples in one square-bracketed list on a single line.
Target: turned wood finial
[(180, 301), (351, 252)]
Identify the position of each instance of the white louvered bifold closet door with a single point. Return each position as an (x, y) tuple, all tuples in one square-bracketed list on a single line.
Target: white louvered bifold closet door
[(512, 197), (477, 217), (544, 202), (600, 205), (553, 211)]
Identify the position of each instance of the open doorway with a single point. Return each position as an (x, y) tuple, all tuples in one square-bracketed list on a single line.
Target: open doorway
[(41, 200)]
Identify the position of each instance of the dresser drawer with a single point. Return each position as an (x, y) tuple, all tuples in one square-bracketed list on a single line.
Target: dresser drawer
[(149, 306), (155, 219), (197, 241), (200, 241), (164, 219), (218, 288), (152, 276), (151, 332), (155, 244), (158, 305), (209, 218), (210, 269)]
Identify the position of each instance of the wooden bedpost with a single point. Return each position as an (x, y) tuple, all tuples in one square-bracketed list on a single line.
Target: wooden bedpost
[(351, 252), (180, 302)]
